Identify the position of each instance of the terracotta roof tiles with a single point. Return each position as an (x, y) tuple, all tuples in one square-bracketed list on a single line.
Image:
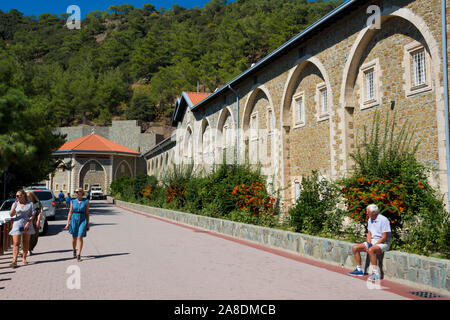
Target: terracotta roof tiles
[(95, 142)]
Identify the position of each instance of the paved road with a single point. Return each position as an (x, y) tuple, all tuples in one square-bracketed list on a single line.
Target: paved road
[(131, 256)]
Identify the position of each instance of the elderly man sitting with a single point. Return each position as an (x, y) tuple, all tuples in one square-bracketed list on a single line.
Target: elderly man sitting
[(378, 241)]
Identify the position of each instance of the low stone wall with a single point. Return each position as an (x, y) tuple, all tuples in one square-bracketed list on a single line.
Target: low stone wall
[(410, 269)]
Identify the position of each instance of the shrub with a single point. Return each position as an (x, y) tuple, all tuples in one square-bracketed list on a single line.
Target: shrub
[(254, 199), (387, 174), (174, 183), (312, 211), (142, 181), (225, 178), (121, 186)]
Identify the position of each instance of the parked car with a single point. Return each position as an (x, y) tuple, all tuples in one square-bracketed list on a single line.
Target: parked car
[(96, 192), (47, 199), (6, 207), (37, 187)]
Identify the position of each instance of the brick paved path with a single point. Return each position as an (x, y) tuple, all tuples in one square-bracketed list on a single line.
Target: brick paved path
[(131, 256)]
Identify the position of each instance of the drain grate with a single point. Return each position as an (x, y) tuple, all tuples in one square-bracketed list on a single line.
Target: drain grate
[(425, 294)]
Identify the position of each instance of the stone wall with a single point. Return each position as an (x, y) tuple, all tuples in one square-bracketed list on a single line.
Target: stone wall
[(124, 132), (409, 269)]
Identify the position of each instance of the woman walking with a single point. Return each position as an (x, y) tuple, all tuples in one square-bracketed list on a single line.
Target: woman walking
[(78, 221), (22, 226), (36, 221)]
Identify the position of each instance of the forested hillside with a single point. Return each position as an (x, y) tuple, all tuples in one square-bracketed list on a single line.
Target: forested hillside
[(132, 63)]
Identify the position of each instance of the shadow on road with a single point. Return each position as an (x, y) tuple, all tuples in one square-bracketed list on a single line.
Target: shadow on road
[(54, 229), (105, 255), (102, 224), (7, 272), (52, 260), (48, 252)]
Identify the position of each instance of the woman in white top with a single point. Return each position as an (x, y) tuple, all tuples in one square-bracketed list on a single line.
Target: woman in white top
[(24, 211)]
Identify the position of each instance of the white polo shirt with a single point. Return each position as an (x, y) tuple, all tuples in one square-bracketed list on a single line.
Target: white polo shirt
[(378, 226)]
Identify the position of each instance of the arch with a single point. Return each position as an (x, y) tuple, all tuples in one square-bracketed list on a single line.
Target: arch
[(82, 173), (256, 150), (351, 72), (285, 112), (204, 126), (289, 88), (364, 37), (188, 143), (249, 104), (129, 168), (223, 116)]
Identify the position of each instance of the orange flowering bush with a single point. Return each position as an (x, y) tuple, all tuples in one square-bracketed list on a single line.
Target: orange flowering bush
[(388, 195), (176, 192), (387, 173), (147, 192), (253, 198)]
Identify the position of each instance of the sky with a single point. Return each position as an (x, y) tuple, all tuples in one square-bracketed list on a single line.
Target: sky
[(37, 7)]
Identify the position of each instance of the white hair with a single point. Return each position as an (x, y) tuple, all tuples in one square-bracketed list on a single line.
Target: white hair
[(372, 208)]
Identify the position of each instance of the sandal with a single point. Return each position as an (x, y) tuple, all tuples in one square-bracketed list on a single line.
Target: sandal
[(78, 258), (13, 265), (74, 253)]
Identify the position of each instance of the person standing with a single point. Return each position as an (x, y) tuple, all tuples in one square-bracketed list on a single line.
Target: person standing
[(36, 221), (78, 221), (378, 241), (61, 198), (68, 198), (22, 226)]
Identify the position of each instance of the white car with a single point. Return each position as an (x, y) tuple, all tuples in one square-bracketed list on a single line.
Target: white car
[(5, 209), (96, 192), (47, 199)]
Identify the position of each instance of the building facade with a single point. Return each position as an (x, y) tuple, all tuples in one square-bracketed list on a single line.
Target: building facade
[(303, 106), (95, 156)]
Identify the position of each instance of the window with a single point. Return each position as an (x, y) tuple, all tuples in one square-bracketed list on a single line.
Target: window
[(420, 75), (369, 76), (369, 82), (299, 110), (64, 187), (417, 69), (254, 126), (271, 121), (86, 186), (225, 136), (322, 101), (57, 186), (92, 166), (297, 190)]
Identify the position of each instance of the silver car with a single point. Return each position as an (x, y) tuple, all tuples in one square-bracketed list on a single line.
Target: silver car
[(47, 200)]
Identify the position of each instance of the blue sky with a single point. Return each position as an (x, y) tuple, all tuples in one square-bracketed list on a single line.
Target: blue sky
[(36, 7)]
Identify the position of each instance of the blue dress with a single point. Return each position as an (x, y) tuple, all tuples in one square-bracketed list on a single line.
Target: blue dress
[(78, 222)]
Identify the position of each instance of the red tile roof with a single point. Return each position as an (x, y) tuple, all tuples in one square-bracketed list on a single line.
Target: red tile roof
[(196, 97), (95, 142)]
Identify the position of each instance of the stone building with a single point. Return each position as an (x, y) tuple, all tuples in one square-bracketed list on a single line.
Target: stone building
[(302, 107), (98, 155), (93, 160)]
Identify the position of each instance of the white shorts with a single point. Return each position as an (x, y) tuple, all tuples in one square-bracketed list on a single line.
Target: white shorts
[(383, 246)]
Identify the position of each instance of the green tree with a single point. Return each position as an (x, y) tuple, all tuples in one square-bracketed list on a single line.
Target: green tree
[(26, 140)]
